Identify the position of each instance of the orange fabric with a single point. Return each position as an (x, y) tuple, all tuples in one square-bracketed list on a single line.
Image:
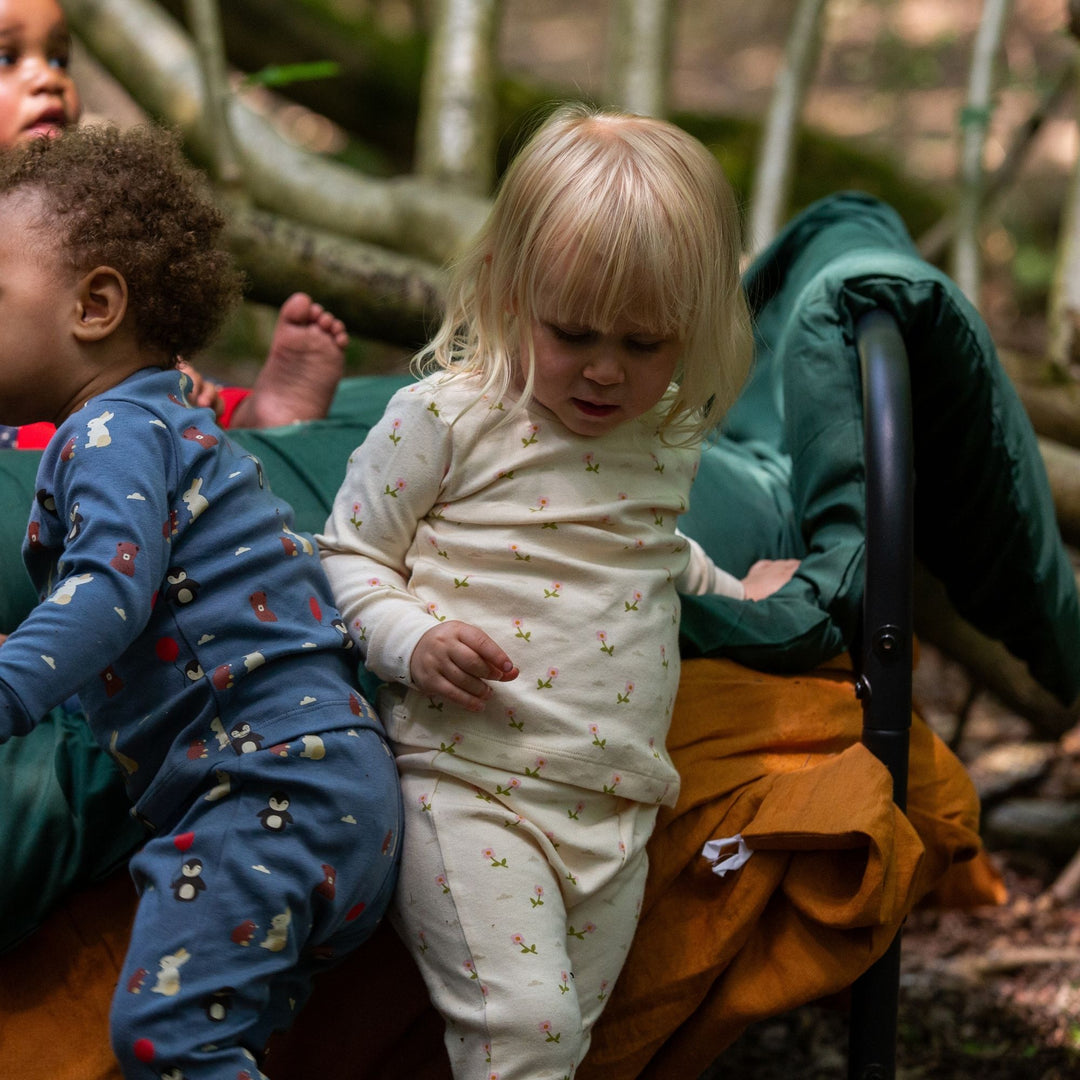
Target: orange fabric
[(835, 869)]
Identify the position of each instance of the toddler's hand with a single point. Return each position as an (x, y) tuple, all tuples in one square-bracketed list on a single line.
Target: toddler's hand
[(204, 394), (456, 661), (768, 575)]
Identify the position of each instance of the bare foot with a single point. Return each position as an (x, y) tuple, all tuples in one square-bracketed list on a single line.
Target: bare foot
[(302, 370)]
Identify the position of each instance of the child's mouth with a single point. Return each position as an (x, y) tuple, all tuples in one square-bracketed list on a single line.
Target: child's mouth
[(593, 408), (48, 125)]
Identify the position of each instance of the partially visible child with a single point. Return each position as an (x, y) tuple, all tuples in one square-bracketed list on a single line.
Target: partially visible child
[(194, 623), (39, 99), (505, 553)]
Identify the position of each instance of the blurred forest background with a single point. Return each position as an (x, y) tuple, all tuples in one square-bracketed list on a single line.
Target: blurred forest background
[(357, 142)]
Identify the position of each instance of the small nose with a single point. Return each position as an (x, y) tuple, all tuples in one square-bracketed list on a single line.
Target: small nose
[(604, 368), (43, 75)]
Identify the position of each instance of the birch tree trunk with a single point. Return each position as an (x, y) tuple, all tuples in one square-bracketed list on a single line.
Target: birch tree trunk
[(456, 138), (773, 173), (639, 56), (974, 122), (1063, 314)]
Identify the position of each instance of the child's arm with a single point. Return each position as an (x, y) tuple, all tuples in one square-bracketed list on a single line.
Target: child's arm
[(703, 576), (393, 481)]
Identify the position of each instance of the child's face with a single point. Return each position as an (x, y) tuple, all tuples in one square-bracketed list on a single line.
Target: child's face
[(37, 95), (37, 294), (592, 380)]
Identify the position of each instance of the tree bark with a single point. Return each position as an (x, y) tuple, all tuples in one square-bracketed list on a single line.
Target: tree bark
[(378, 294), (639, 56), (455, 140), (772, 176), (151, 56)]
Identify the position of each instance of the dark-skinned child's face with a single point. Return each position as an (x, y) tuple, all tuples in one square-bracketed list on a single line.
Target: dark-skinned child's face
[(37, 95)]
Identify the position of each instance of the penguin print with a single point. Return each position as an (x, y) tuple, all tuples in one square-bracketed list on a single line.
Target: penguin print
[(76, 520), (124, 559), (46, 500), (181, 589), (259, 606), (218, 1004), (243, 740), (189, 884), (275, 815)]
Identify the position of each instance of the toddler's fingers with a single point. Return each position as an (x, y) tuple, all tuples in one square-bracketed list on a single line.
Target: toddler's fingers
[(499, 665)]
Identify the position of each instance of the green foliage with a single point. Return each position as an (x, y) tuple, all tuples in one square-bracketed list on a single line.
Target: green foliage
[(279, 75)]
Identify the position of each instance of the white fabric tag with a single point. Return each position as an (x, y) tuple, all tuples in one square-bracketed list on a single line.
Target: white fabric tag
[(716, 850)]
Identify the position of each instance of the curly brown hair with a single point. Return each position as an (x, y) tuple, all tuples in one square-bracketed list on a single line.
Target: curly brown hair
[(131, 201)]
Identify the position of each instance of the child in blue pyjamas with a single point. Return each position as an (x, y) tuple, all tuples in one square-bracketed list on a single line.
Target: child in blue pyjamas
[(195, 625)]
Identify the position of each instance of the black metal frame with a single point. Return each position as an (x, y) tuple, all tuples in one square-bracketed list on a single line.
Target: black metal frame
[(884, 681)]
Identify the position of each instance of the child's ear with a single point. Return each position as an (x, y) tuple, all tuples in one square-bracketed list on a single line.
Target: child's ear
[(101, 304)]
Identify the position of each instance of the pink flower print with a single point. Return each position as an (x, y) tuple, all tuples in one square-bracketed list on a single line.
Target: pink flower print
[(443, 884), (533, 430), (518, 940), (425, 802), (514, 722), (373, 581), (541, 504), (361, 629), (632, 603), (399, 485), (509, 787), (433, 611), (489, 853), (609, 789), (537, 900), (470, 967), (564, 986), (438, 550), (545, 1029), (658, 465), (546, 684), (520, 631), (357, 510), (591, 464), (535, 772), (623, 495), (624, 699), (594, 730), (588, 928), (605, 647), (519, 555), (575, 814), (603, 990), (551, 839), (395, 427), (451, 746), (553, 592), (423, 942), (663, 656), (652, 747)]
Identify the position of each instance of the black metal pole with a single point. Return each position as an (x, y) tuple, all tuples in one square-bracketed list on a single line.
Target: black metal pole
[(884, 683)]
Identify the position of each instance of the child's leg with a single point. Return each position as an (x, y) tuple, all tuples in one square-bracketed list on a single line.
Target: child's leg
[(495, 905), (253, 891)]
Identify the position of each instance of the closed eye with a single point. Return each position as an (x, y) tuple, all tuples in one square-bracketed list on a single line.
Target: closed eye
[(572, 335)]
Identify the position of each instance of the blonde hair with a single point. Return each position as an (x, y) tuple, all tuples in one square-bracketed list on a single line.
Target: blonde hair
[(603, 215)]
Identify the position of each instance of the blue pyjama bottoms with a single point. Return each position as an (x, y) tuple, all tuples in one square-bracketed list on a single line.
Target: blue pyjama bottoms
[(519, 900), (278, 870)]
